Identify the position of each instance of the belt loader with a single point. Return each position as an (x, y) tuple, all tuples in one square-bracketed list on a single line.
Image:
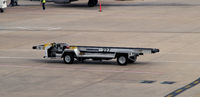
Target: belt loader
[(123, 55)]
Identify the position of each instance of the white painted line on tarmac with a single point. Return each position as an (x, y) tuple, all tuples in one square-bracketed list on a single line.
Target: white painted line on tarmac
[(17, 57), (54, 28), (17, 49), (23, 28), (122, 71), (80, 69), (195, 54), (188, 62), (38, 28), (30, 28)]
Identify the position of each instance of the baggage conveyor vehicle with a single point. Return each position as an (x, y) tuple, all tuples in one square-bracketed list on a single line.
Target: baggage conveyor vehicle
[(69, 53)]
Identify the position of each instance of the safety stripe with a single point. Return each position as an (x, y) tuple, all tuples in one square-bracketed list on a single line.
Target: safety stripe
[(181, 90)]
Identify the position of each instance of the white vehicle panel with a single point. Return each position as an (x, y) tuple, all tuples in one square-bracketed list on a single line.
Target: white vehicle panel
[(3, 3)]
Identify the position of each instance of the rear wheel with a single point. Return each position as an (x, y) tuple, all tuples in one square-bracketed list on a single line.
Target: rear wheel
[(132, 59), (81, 60), (68, 58), (122, 60)]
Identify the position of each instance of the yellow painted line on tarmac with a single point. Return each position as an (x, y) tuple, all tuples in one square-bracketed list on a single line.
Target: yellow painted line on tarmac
[(196, 82), (169, 96), (188, 86), (182, 89)]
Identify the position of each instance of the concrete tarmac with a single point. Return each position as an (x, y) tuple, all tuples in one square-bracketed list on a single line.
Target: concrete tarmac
[(173, 26)]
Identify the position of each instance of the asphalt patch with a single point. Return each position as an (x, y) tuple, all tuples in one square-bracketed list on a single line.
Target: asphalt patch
[(168, 82), (147, 81)]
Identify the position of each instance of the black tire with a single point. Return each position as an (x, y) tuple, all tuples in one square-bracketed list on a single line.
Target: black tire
[(91, 3), (122, 60), (132, 60), (68, 58), (81, 60), (95, 2)]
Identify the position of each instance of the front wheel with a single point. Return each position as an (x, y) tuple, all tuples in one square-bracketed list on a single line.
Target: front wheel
[(122, 60), (68, 58)]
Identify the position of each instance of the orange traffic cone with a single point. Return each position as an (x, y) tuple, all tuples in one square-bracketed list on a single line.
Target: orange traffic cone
[(100, 10)]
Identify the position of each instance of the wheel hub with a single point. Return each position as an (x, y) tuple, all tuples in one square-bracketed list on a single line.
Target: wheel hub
[(122, 60), (67, 58)]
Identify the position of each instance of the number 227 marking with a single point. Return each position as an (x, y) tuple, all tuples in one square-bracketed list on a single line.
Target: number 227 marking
[(106, 49)]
